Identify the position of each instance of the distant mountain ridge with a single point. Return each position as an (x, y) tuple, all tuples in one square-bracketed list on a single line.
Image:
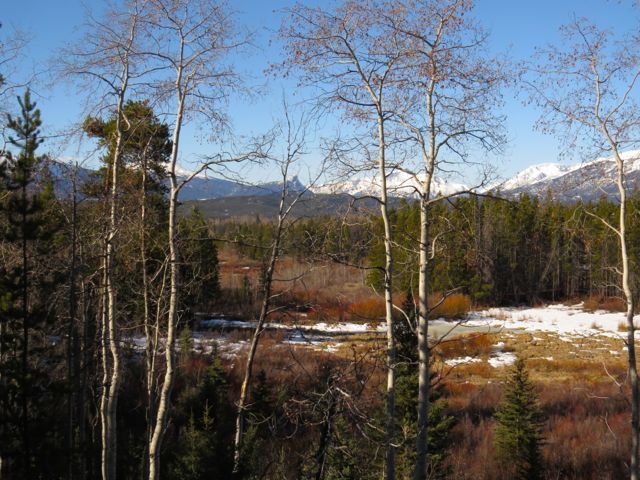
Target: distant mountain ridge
[(582, 181), (200, 188)]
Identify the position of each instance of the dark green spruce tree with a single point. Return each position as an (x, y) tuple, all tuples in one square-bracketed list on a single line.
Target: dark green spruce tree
[(518, 433), (440, 423), (28, 228)]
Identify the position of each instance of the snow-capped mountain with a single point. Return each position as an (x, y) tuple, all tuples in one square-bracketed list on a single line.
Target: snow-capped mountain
[(399, 184), (583, 181), (202, 188), (543, 172)]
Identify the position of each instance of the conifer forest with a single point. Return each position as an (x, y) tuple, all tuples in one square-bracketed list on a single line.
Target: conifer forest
[(301, 241)]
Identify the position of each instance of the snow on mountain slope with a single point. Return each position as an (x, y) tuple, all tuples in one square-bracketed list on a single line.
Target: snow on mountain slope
[(586, 180), (583, 181), (537, 173), (399, 184)]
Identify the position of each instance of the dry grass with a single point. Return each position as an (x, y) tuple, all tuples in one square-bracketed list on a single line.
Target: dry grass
[(587, 422), (477, 372), (368, 309), (586, 430), (471, 345), (454, 306), (610, 304)]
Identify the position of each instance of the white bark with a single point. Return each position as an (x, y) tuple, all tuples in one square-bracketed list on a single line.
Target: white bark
[(429, 153), (599, 107), (388, 302), (264, 312), (109, 402), (634, 465), (106, 57), (187, 39), (162, 412)]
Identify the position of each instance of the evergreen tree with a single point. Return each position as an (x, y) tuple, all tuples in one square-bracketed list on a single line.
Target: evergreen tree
[(440, 423), (518, 433), (26, 283), (203, 419), (199, 267)]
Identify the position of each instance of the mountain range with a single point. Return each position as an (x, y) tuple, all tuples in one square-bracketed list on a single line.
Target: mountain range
[(222, 197), (581, 181)]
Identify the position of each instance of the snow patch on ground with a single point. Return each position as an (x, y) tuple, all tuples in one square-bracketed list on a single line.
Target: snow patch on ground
[(339, 327), (460, 360), (502, 359), (567, 321)]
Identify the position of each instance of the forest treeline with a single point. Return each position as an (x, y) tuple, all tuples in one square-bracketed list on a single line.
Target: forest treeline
[(520, 251)]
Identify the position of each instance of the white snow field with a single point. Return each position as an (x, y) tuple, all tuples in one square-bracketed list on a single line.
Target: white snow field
[(565, 320), (558, 318)]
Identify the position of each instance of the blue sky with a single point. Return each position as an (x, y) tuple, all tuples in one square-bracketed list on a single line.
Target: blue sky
[(516, 25)]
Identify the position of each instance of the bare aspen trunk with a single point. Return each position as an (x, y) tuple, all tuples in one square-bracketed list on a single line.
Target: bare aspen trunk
[(634, 464), (104, 356), (162, 411), (111, 340), (113, 336), (423, 348), (150, 350), (390, 453), (422, 433), (109, 400)]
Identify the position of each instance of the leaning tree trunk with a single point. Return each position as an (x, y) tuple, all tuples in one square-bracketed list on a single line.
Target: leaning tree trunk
[(264, 312), (634, 465)]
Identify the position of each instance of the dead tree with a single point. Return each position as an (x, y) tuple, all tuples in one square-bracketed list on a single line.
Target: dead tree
[(293, 134), (588, 89)]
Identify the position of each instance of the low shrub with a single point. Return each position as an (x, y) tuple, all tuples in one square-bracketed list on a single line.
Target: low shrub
[(454, 306), (599, 302), (471, 345)]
